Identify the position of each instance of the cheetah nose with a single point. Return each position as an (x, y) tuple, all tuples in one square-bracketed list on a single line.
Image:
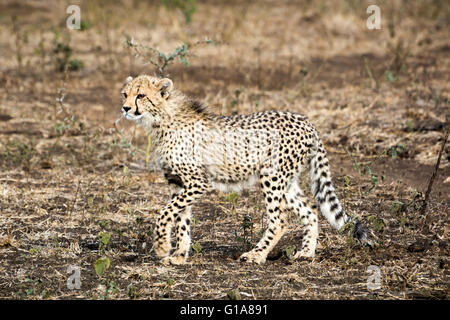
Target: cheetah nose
[(126, 109)]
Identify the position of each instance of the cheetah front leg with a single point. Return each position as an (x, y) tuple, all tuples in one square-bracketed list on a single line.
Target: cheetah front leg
[(175, 210), (183, 237), (275, 206)]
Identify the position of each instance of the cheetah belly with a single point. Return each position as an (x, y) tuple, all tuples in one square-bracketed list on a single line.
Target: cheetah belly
[(235, 186)]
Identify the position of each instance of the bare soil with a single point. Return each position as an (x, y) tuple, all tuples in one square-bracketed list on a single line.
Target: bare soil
[(70, 171)]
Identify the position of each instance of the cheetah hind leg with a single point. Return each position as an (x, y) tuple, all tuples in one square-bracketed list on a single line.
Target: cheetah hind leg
[(299, 204), (277, 218)]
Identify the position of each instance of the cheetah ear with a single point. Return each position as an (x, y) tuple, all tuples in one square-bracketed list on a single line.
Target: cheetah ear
[(165, 86), (128, 79)]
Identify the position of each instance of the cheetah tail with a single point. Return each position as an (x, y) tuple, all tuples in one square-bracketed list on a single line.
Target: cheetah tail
[(324, 193)]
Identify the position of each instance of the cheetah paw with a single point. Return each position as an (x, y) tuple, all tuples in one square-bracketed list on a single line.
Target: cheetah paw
[(304, 255), (162, 251), (252, 257), (174, 260)]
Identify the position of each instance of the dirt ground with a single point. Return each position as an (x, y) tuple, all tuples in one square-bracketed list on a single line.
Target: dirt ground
[(77, 183)]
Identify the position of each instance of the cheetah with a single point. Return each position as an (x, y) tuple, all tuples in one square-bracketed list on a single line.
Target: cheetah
[(200, 151)]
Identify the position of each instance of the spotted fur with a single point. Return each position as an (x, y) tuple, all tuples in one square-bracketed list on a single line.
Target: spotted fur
[(200, 151)]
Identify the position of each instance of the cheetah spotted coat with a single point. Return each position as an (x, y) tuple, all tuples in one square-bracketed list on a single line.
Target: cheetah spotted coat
[(200, 151)]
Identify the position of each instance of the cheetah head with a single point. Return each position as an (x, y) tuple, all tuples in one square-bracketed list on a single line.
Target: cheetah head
[(145, 98)]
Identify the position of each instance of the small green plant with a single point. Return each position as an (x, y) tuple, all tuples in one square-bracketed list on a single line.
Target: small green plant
[(389, 76), (32, 286), (160, 60), (104, 224), (290, 251), (245, 234), (110, 288), (366, 169), (68, 124), (234, 295), (197, 247), (233, 199), (194, 222), (378, 223), (373, 178), (396, 150), (29, 291), (85, 25), (101, 265), (397, 207), (17, 153), (21, 37), (393, 151), (235, 101), (75, 65), (63, 54), (132, 291), (104, 238)]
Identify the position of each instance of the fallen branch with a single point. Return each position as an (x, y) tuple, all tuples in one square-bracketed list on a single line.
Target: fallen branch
[(433, 176)]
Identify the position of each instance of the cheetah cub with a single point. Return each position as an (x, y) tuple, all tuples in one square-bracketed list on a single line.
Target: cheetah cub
[(200, 151)]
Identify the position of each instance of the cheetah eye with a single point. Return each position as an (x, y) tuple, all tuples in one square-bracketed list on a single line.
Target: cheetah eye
[(140, 96), (124, 95)]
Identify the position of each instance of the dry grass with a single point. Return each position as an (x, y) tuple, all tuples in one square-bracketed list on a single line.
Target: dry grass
[(67, 173)]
